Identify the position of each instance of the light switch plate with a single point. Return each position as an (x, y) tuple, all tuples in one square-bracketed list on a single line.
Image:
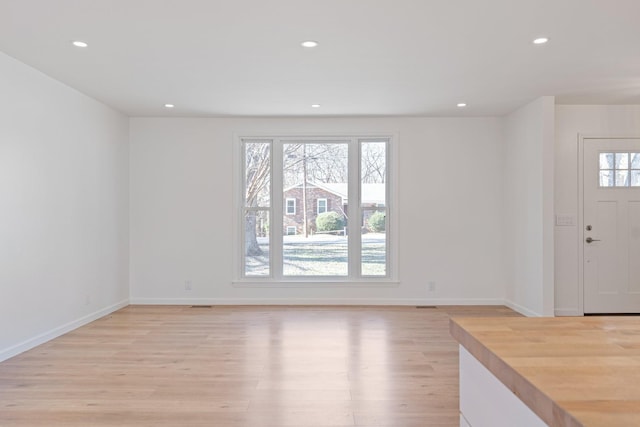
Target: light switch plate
[(565, 220)]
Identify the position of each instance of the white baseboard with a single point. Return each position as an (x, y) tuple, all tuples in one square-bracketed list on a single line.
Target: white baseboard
[(568, 312), (458, 301), (60, 330), (521, 309), (316, 301)]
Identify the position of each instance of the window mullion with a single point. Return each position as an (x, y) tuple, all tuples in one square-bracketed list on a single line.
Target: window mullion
[(387, 210), (277, 203), (354, 210)]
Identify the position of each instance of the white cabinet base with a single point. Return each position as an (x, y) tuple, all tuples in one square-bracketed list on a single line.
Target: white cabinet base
[(486, 402)]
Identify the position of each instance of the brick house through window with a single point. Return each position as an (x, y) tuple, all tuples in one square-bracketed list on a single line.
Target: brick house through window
[(326, 197)]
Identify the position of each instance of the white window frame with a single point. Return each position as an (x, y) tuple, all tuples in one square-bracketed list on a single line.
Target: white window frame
[(326, 206), (287, 206), (354, 210)]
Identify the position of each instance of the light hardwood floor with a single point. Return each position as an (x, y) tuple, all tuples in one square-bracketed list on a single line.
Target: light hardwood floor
[(243, 366)]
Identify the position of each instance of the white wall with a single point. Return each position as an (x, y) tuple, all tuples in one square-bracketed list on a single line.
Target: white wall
[(529, 139), (571, 120), (63, 208), (449, 232)]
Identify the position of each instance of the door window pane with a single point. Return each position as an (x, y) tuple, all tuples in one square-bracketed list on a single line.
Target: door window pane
[(606, 178), (619, 169), (606, 160), (622, 178), (635, 169), (622, 160)]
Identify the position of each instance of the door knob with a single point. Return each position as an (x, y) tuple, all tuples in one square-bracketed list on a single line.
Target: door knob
[(589, 240)]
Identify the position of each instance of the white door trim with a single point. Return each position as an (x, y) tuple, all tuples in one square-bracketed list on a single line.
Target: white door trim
[(582, 138)]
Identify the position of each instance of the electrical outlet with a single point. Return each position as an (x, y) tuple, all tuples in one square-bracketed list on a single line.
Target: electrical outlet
[(187, 285), (431, 286)]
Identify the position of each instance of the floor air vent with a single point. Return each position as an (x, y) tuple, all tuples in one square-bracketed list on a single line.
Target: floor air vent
[(425, 306), (201, 306)]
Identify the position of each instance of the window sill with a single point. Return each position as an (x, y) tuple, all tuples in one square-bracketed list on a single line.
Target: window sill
[(316, 283)]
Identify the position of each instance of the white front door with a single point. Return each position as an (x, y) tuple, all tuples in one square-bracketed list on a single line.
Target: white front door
[(611, 228)]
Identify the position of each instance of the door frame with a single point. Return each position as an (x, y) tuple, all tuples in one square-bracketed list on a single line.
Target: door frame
[(582, 139)]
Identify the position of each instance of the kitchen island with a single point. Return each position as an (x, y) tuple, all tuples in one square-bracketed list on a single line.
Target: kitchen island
[(533, 372)]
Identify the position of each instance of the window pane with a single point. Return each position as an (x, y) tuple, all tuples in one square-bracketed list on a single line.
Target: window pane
[(373, 177), (257, 190), (622, 178), (322, 206), (635, 178), (606, 178), (374, 242), (312, 171), (373, 164), (315, 255), (635, 160), (290, 208), (373, 173), (256, 237), (606, 160), (622, 160)]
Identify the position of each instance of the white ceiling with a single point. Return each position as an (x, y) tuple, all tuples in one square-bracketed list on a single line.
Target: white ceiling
[(376, 57)]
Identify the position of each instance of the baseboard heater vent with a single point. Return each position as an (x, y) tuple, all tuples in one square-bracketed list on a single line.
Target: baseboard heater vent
[(201, 306), (426, 306)]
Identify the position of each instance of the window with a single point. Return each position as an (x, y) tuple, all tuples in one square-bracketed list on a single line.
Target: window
[(256, 207), (283, 236), (322, 206), (619, 169), (291, 206)]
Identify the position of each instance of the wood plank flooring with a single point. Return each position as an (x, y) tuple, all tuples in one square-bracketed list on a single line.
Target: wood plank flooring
[(243, 366)]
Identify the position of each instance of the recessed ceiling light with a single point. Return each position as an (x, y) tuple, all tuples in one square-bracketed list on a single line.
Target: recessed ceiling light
[(309, 43), (78, 43), (169, 105), (540, 40), (461, 105), (315, 105)]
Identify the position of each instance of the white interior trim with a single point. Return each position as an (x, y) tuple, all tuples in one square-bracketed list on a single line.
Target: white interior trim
[(278, 208), (60, 330), (520, 309), (317, 301), (568, 312)]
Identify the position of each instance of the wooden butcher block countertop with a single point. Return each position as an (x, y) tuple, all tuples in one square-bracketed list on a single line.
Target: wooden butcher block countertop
[(570, 371)]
